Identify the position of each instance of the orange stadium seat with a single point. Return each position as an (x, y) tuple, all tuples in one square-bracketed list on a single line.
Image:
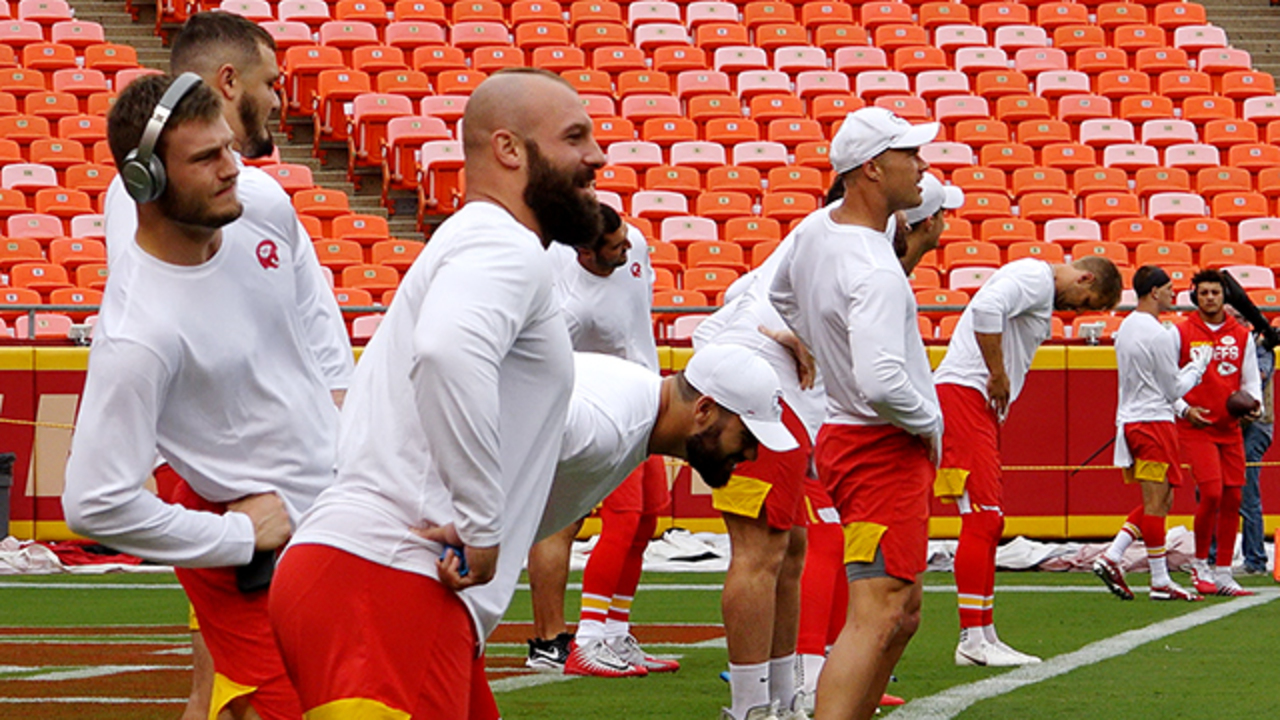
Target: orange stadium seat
[(76, 296), (398, 254), (374, 279), (338, 254), (1113, 251), (1148, 181)]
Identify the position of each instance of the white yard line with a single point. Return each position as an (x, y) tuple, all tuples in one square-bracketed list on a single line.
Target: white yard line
[(78, 672), (952, 701), (522, 682)]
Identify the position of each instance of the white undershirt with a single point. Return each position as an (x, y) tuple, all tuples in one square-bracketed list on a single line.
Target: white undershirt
[(210, 365), (746, 310), (267, 212), (1016, 302), (612, 413), (611, 314), (842, 290), (1149, 381), (456, 410)]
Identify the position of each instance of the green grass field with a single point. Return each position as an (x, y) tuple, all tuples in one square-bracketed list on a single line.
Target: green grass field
[(1214, 667)]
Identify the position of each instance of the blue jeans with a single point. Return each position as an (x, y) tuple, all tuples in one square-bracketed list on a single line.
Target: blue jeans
[(1257, 438)]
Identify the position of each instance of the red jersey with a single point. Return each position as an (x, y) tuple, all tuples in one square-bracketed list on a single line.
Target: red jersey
[(1230, 342)]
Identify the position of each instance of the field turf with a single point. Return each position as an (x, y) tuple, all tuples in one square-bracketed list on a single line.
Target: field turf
[(116, 647)]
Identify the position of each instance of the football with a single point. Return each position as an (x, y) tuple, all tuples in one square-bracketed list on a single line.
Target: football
[(1241, 403)]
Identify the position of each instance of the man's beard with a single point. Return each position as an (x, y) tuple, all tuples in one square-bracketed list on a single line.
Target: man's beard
[(258, 141), (565, 213), (703, 455), (187, 211)]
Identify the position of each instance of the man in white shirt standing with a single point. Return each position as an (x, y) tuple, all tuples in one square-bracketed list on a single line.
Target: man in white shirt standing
[(202, 352), (605, 292), (450, 432), (983, 372), (237, 59), (1146, 439), (842, 290)]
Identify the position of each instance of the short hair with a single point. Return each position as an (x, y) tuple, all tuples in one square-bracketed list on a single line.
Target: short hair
[(133, 109), (1107, 283), (217, 37), (688, 392), (1213, 276), (612, 221), (1141, 277)]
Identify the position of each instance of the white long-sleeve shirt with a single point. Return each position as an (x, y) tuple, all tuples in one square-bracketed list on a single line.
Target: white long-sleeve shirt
[(746, 310), (1150, 381), (842, 290), (269, 213), (1017, 302), (612, 413), (609, 315), (456, 409), (211, 365)]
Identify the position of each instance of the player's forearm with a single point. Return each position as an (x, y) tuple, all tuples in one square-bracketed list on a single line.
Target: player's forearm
[(991, 345)]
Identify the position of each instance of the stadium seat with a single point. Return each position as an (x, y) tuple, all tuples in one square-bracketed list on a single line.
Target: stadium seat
[(374, 279), (658, 204), (1253, 157), (734, 178), (712, 253), (722, 206), (19, 250), (398, 254), (43, 277), (1086, 181), (1079, 107), (1113, 251), (1004, 231), (1217, 255), (1236, 206), (1259, 231), (10, 296), (1141, 108), (932, 301), (1046, 251), (74, 252), (1212, 181), (1065, 230), (1192, 156), (322, 203), (1196, 231), (1170, 207), (1156, 60), (671, 178)]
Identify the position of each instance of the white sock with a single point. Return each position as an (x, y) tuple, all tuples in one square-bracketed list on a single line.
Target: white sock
[(782, 680), (750, 687), (1122, 542), (989, 634), (971, 636), (616, 628), (1159, 570), (1222, 575), (589, 630), (810, 669)]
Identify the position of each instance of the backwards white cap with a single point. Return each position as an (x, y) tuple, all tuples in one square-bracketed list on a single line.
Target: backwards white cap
[(933, 197), (743, 383), (870, 131)]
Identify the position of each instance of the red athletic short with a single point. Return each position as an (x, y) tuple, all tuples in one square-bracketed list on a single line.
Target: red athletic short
[(879, 477), (773, 483), (1212, 461), (970, 449), (1154, 449), (818, 507), (234, 625), (359, 637), (644, 491)]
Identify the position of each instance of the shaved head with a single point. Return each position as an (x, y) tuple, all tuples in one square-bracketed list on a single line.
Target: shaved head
[(514, 99), (528, 146)]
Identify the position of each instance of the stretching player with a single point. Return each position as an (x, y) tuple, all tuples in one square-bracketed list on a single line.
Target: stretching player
[(982, 374), (450, 431), (824, 597), (842, 290), (237, 59), (606, 309), (1146, 439), (202, 353), (1209, 437)]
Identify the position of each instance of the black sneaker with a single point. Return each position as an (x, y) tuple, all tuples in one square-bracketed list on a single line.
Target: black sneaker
[(549, 654)]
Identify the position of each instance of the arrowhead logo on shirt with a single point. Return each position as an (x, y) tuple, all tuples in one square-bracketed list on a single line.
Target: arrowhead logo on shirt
[(635, 269), (1226, 369), (268, 256)]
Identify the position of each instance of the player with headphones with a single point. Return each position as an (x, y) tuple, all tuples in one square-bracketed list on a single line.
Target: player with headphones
[(202, 353)]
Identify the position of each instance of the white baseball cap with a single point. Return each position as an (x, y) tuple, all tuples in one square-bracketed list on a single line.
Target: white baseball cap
[(934, 196), (743, 383), (870, 131)]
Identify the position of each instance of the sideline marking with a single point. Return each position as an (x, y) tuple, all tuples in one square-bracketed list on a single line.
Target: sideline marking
[(522, 682), (951, 702), (77, 672)]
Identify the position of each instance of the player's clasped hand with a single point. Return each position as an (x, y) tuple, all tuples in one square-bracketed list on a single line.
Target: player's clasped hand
[(1198, 417), (271, 524), (480, 562)]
